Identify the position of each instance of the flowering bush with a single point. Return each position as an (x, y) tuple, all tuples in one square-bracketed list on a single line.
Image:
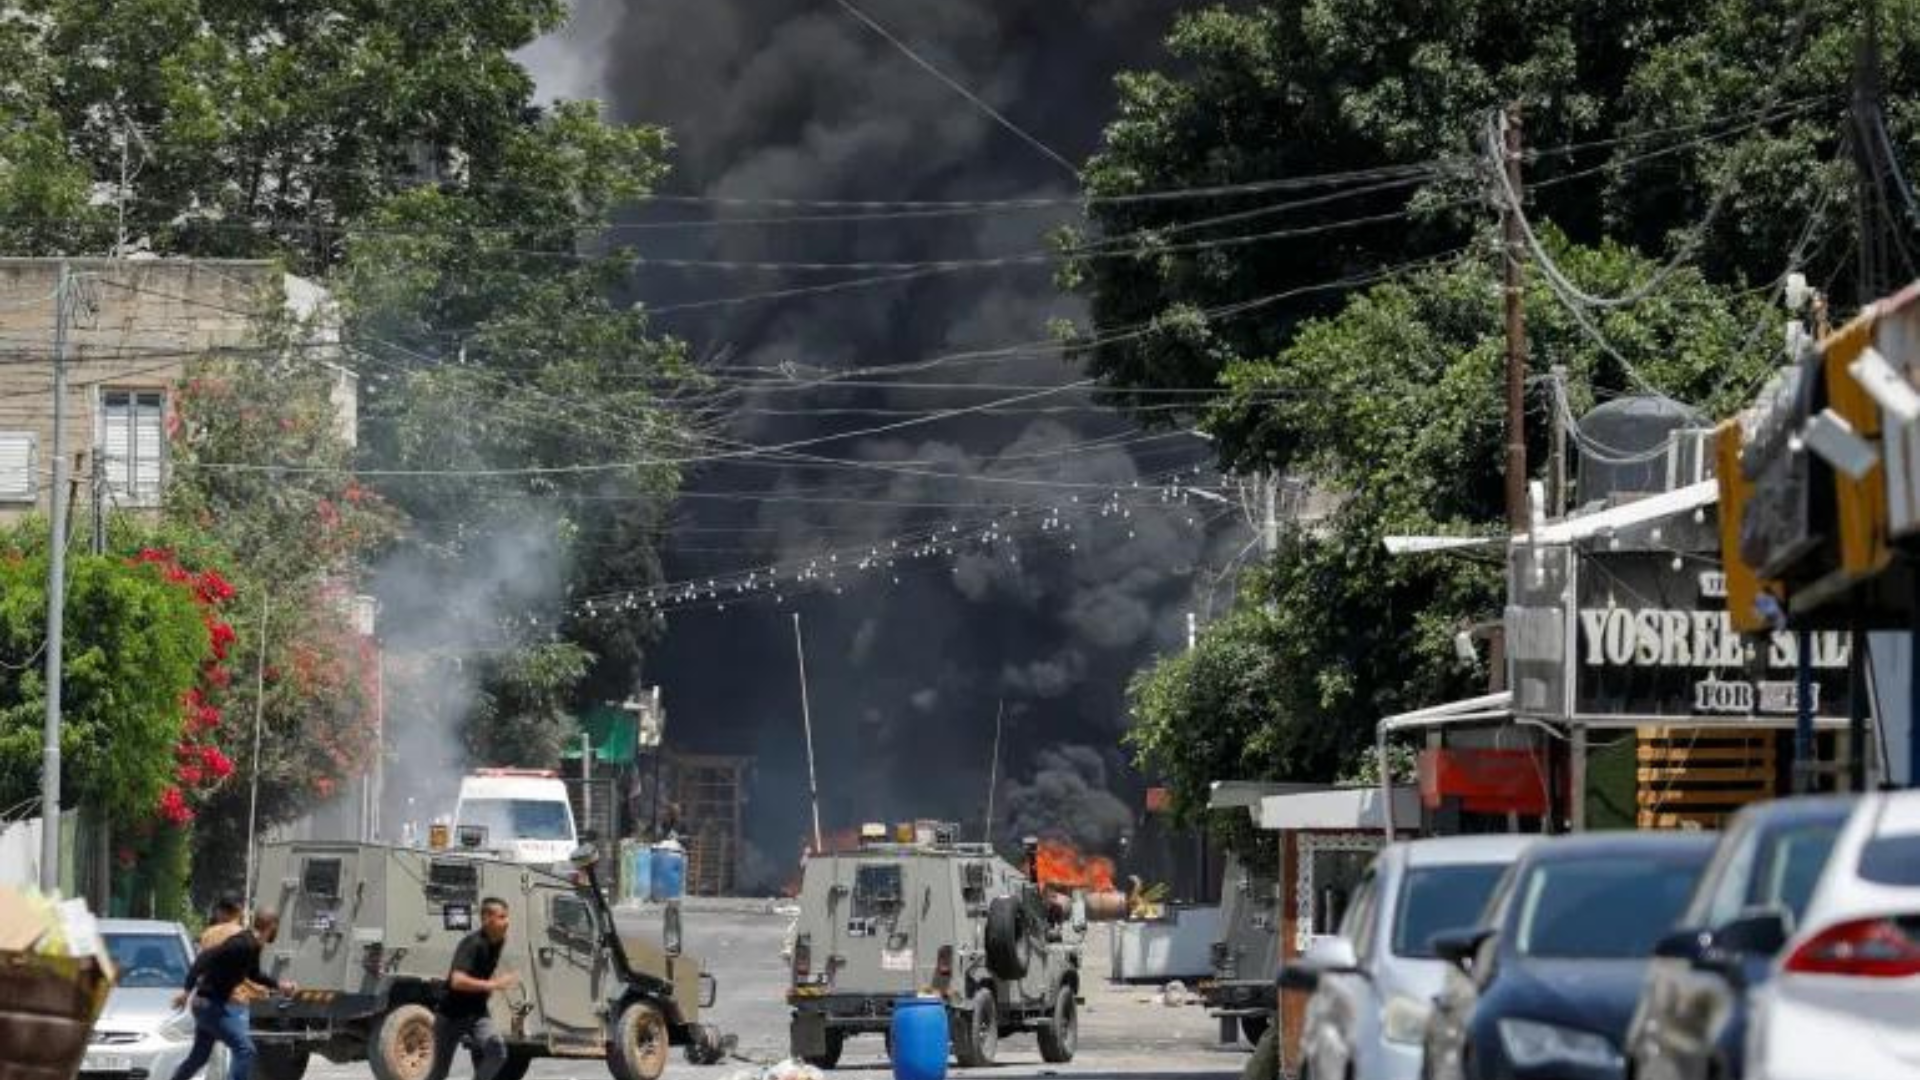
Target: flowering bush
[(199, 765)]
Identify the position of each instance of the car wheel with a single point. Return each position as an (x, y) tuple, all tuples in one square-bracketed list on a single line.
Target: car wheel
[(1060, 1039), (282, 1061), (1006, 936), (1252, 1027), (517, 1064), (836, 1045), (640, 1044), (402, 1044), (976, 1035)]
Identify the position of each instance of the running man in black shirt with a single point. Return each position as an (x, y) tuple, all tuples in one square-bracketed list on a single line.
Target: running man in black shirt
[(217, 1017), (463, 1008)]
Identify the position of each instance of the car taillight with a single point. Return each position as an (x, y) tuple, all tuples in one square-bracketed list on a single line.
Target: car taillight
[(1868, 948), (802, 958)]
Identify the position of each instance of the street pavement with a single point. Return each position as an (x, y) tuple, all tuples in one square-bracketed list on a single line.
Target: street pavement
[(1124, 1031)]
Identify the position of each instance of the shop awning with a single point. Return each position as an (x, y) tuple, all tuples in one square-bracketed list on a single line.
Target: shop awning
[(1338, 808), (1488, 707), (1246, 794)]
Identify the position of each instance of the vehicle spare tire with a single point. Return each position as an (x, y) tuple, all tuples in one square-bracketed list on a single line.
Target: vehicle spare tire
[(1007, 931)]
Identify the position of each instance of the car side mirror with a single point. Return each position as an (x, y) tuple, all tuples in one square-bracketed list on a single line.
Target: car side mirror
[(1333, 955), (584, 856), (1458, 947), (1757, 933), (1685, 944)]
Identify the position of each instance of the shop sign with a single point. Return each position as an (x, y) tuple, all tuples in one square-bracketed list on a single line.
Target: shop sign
[(1656, 643)]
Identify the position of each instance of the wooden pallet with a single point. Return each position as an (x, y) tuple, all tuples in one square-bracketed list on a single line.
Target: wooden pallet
[(1699, 777)]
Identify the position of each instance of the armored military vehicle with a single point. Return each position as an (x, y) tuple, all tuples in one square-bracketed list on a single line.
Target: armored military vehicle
[(368, 933), (914, 913), (1246, 958)]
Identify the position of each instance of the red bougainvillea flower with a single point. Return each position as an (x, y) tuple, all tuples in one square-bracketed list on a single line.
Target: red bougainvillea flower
[(211, 588), (173, 807), (189, 775), (218, 765), (221, 637)]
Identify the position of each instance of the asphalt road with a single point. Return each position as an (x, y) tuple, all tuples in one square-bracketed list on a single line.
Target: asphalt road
[(1124, 1031)]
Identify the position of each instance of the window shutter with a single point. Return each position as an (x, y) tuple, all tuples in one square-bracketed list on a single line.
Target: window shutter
[(116, 440), (149, 448), (16, 466)]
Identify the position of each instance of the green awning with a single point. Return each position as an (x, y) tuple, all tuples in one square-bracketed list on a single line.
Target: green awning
[(615, 733)]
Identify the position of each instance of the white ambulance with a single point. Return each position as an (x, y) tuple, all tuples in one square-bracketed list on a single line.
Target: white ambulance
[(522, 814)]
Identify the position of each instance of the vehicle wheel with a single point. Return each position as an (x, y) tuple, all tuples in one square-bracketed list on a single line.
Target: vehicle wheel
[(1061, 1038), (281, 1061), (1252, 1027), (402, 1044), (976, 1034), (518, 1062), (836, 1045), (640, 1044), (1007, 938)]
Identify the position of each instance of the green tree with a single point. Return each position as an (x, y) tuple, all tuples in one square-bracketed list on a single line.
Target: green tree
[(1394, 406), (135, 644)]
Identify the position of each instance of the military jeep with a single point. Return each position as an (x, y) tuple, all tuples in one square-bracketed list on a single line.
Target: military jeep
[(1247, 957), (921, 915), (368, 934)]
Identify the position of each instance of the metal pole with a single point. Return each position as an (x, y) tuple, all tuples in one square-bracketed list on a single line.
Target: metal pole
[(1859, 747), (586, 780), (56, 597), (253, 781), (1269, 514), (993, 767), (1386, 781), (1557, 505), (1517, 515), (379, 738), (1803, 713), (1577, 778), (806, 722)]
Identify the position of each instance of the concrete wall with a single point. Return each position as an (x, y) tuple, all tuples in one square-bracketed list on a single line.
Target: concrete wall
[(147, 319)]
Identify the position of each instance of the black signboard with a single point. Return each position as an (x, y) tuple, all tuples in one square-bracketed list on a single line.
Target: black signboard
[(1653, 644)]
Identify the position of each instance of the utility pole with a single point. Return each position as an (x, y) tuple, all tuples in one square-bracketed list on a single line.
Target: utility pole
[(806, 722), (993, 768), (1868, 169), (1557, 468), (1269, 514), (1517, 514), (56, 596), (259, 711)]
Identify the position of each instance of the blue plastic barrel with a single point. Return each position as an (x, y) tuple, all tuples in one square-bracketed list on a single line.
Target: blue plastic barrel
[(919, 1039), (636, 877), (669, 864)]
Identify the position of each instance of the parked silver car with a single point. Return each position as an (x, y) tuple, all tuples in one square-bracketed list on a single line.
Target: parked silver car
[(140, 1033), (1373, 983)]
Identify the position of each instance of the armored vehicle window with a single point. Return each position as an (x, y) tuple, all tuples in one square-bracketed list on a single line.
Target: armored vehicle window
[(877, 890), (571, 917), (320, 879), (974, 884), (453, 881)]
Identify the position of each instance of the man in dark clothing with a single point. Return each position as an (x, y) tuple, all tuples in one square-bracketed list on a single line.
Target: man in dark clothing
[(217, 1017), (463, 1008)]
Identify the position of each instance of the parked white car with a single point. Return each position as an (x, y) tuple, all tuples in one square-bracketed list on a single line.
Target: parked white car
[(523, 814), (141, 1033), (1374, 982), (1844, 997)]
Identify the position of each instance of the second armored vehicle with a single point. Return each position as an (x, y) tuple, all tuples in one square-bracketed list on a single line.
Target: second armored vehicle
[(917, 914), (368, 934)]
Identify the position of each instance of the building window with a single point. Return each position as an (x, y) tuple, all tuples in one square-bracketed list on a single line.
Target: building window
[(130, 440), (17, 459)]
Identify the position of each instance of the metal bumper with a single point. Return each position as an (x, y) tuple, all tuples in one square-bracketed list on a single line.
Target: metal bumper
[(1242, 997), (847, 1014)]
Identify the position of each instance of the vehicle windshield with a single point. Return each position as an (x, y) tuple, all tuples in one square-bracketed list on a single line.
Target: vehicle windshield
[(1601, 907), (148, 961), (1435, 899), (518, 819)]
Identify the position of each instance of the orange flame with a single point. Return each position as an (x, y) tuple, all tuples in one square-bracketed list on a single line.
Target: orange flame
[(1063, 866)]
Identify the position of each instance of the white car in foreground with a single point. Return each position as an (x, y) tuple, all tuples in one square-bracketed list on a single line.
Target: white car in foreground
[(1844, 1000)]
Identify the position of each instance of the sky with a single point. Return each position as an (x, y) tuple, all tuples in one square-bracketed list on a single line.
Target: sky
[(1048, 551)]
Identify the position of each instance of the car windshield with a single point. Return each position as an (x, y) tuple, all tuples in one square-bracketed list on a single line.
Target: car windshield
[(148, 961), (518, 819), (1434, 899), (1601, 907)]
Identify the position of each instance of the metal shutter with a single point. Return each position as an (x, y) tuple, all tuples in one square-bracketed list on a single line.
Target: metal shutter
[(149, 448), (16, 466)]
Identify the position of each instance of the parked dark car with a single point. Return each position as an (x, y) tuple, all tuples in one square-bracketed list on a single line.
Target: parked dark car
[(1692, 1020), (1545, 986)]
